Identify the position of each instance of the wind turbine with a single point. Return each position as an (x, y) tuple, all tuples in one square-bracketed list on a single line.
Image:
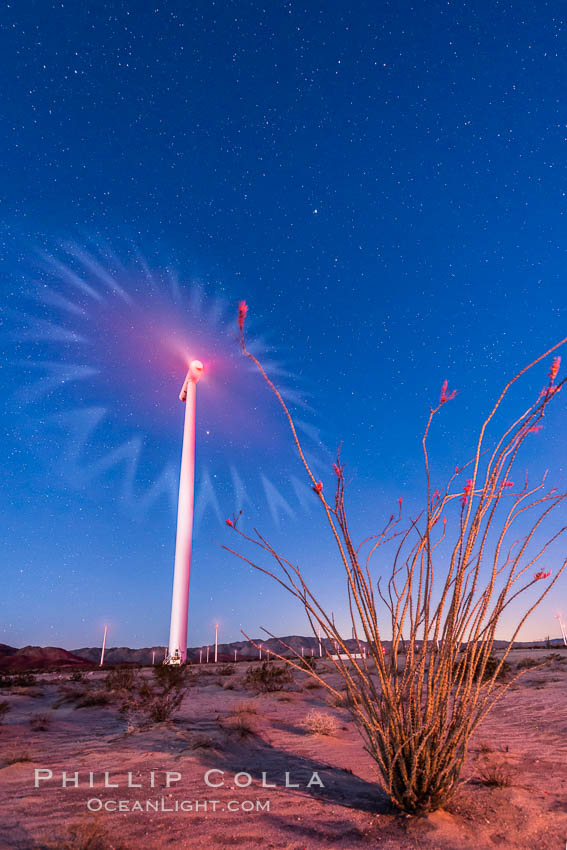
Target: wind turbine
[(103, 647), (563, 631), (177, 653)]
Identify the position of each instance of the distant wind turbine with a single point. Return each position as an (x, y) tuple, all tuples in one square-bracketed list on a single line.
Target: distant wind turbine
[(103, 647), (563, 630)]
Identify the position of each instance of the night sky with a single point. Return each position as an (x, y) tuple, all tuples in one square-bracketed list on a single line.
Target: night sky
[(384, 183)]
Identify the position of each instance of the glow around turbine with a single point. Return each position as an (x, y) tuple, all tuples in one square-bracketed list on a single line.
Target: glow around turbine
[(103, 347)]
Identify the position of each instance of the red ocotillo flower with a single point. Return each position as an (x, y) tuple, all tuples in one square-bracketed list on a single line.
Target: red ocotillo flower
[(466, 493), (229, 522), (535, 429), (242, 310), (541, 574), (547, 392), (444, 396), (318, 488), (554, 369)]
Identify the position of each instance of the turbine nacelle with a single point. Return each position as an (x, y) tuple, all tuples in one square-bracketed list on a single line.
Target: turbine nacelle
[(194, 373)]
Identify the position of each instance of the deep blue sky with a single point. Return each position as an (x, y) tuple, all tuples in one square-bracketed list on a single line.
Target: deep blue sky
[(384, 183)]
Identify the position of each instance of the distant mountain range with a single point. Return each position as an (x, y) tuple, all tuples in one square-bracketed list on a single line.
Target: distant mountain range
[(48, 657), (36, 658), (245, 651)]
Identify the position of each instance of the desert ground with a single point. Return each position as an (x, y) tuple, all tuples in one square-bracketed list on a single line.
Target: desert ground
[(513, 792)]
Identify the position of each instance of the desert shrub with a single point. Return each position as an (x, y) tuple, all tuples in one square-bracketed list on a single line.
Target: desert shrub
[(163, 706), (318, 723), (494, 669), (4, 681), (309, 662), (77, 676), (156, 700), (168, 676), (17, 755), (455, 568), (4, 709), (202, 742), (92, 699), (24, 680), (87, 835), (241, 724), (495, 774), (246, 708), (526, 663), (229, 686), (70, 693), (120, 679), (312, 685), (40, 722), (267, 677), (342, 700), (241, 719), (225, 670), (490, 668)]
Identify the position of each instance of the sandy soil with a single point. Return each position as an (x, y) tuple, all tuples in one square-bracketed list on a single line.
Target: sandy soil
[(525, 738)]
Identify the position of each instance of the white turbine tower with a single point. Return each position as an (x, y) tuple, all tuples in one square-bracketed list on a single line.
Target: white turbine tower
[(177, 653), (103, 647)]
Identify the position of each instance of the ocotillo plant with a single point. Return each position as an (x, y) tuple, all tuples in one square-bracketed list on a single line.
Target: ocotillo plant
[(418, 704)]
